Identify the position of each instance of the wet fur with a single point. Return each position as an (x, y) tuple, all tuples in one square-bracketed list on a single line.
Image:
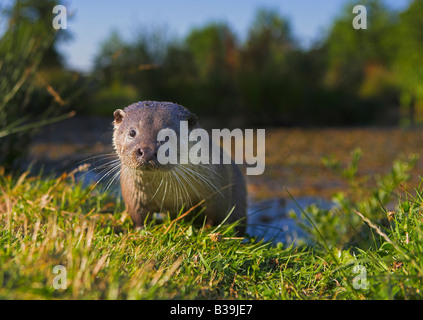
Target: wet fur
[(168, 188)]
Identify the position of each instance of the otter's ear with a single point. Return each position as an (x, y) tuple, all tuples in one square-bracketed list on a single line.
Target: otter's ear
[(119, 114), (192, 120)]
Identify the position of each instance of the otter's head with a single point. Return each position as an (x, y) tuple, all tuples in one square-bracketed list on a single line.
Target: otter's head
[(136, 129)]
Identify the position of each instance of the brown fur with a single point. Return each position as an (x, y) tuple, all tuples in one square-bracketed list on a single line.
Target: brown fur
[(149, 187)]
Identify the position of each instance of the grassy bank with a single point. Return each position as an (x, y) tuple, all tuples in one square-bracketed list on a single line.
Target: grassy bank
[(359, 249)]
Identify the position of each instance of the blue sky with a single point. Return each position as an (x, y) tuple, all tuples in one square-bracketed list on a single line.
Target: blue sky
[(93, 20)]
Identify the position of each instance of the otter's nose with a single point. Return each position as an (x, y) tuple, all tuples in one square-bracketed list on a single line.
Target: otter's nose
[(146, 154)]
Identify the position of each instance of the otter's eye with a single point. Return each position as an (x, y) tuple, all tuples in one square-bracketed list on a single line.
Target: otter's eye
[(132, 133)]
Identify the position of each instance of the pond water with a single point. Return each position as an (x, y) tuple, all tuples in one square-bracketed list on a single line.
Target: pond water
[(270, 220)]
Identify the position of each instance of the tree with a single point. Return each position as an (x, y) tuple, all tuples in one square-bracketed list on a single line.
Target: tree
[(130, 70), (358, 65), (215, 56), (351, 51), (407, 62), (264, 70), (269, 38), (25, 47), (38, 14)]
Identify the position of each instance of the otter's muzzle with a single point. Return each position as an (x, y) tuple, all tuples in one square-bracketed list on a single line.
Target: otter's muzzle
[(146, 158), (145, 154)]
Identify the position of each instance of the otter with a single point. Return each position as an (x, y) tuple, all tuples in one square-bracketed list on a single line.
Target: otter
[(149, 187)]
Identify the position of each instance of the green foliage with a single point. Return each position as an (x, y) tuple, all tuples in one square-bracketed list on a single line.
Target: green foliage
[(25, 104), (350, 51), (348, 77), (396, 265), (108, 99), (358, 63), (408, 55), (371, 196), (265, 78), (89, 233), (380, 63), (209, 47), (46, 222), (214, 54)]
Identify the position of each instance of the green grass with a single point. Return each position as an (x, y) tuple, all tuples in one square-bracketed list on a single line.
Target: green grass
[(45, 222)]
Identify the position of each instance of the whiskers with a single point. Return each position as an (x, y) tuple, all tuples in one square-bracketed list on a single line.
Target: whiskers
[(105, 167), (167, 187), (188, 185)]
